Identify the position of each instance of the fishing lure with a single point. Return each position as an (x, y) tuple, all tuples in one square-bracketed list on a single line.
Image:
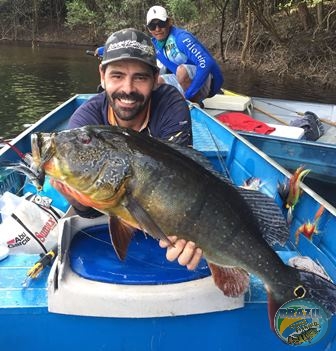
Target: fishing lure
[(290, 192), (310, 228), (25, 166), (37, 178), (252, 183)]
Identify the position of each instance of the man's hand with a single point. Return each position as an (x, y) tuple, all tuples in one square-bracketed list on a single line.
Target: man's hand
[(186, 253)]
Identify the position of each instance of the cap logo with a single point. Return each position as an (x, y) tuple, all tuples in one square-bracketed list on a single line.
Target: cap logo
[(126, 44)]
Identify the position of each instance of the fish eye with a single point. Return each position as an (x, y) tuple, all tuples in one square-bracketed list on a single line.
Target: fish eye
[(84, 138)]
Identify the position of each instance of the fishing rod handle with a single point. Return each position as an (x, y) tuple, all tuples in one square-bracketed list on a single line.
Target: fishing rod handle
[(90, 52)]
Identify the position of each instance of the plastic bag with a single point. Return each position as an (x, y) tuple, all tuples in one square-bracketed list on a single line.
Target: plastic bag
[(28, 226), (59, 201)]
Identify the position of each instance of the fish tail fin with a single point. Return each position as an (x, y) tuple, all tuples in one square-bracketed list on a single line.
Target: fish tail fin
[(301, 284), (317, 288)]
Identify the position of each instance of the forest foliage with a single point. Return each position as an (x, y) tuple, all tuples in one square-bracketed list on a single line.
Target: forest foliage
[(278, 35)]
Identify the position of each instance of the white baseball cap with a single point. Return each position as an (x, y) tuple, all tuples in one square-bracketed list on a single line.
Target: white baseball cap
[(156, 12)]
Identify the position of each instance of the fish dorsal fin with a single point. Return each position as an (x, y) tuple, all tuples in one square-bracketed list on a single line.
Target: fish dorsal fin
[(121, 235), (201, 159), (269, 217), (145, 221), (232, 281), (191, 153)]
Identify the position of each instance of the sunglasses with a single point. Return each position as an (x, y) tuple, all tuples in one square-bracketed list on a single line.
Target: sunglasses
[(161, 24)]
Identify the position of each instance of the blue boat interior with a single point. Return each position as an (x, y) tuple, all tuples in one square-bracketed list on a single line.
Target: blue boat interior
[(229, 155), (92, 256)]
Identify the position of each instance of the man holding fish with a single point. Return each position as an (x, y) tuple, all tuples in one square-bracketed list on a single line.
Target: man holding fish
[(132, 98), (165, 189)]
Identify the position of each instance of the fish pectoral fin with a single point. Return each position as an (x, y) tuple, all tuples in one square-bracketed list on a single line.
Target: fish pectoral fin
[(233, 281), (145, 221), (121, 235)]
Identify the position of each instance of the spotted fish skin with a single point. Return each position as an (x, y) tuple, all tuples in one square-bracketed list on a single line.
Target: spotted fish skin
[(164, 190)]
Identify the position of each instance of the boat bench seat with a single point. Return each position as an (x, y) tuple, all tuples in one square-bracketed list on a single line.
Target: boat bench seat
[(244, 103), (104, 286), (228, 102), (286, 131)]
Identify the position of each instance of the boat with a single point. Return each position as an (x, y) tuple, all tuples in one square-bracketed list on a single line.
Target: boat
[(88, 299), (287, 144)]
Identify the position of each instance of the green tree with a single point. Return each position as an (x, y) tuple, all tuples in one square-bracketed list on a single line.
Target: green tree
[(183, 10), (78, 13), (21, 15)]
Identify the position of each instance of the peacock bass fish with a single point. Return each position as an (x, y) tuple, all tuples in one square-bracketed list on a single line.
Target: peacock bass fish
[(163, 189)]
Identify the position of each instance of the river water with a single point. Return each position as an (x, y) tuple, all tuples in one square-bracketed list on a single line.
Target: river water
[(35, 81)]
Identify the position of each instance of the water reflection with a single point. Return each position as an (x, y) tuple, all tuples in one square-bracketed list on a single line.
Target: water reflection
[(252, 83), (35, 81)]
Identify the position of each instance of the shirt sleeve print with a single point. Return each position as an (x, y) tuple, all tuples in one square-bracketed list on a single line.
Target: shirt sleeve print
[(199, 57)]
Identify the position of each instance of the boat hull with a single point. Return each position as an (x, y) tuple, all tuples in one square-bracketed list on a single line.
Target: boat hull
[(27, 324), (236, 330), (285, 145), (32, 318)]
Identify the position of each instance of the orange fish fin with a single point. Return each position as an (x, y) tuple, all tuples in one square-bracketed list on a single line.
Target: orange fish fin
[(233, 281), (121, 235), (272, 308)]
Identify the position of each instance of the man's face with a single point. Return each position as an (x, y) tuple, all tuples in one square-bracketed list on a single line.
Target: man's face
[(159, 29), (128, 85)]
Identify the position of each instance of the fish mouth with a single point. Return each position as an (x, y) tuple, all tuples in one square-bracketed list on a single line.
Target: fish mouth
[(43, 149)]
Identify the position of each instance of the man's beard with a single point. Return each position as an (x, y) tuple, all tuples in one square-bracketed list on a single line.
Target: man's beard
[(124, 113)]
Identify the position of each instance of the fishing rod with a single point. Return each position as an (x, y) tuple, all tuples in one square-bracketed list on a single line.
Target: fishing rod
[(301, 114), (220, 158), (271, 115), (26, 158), (45, 260), (90, 52), (284, 108), (94, 53)]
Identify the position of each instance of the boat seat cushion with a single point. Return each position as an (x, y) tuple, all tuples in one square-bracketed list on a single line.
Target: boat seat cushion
[(93, 257), (228, 102)]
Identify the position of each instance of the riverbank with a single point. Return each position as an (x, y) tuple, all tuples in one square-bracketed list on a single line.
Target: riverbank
[(306, 55)]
